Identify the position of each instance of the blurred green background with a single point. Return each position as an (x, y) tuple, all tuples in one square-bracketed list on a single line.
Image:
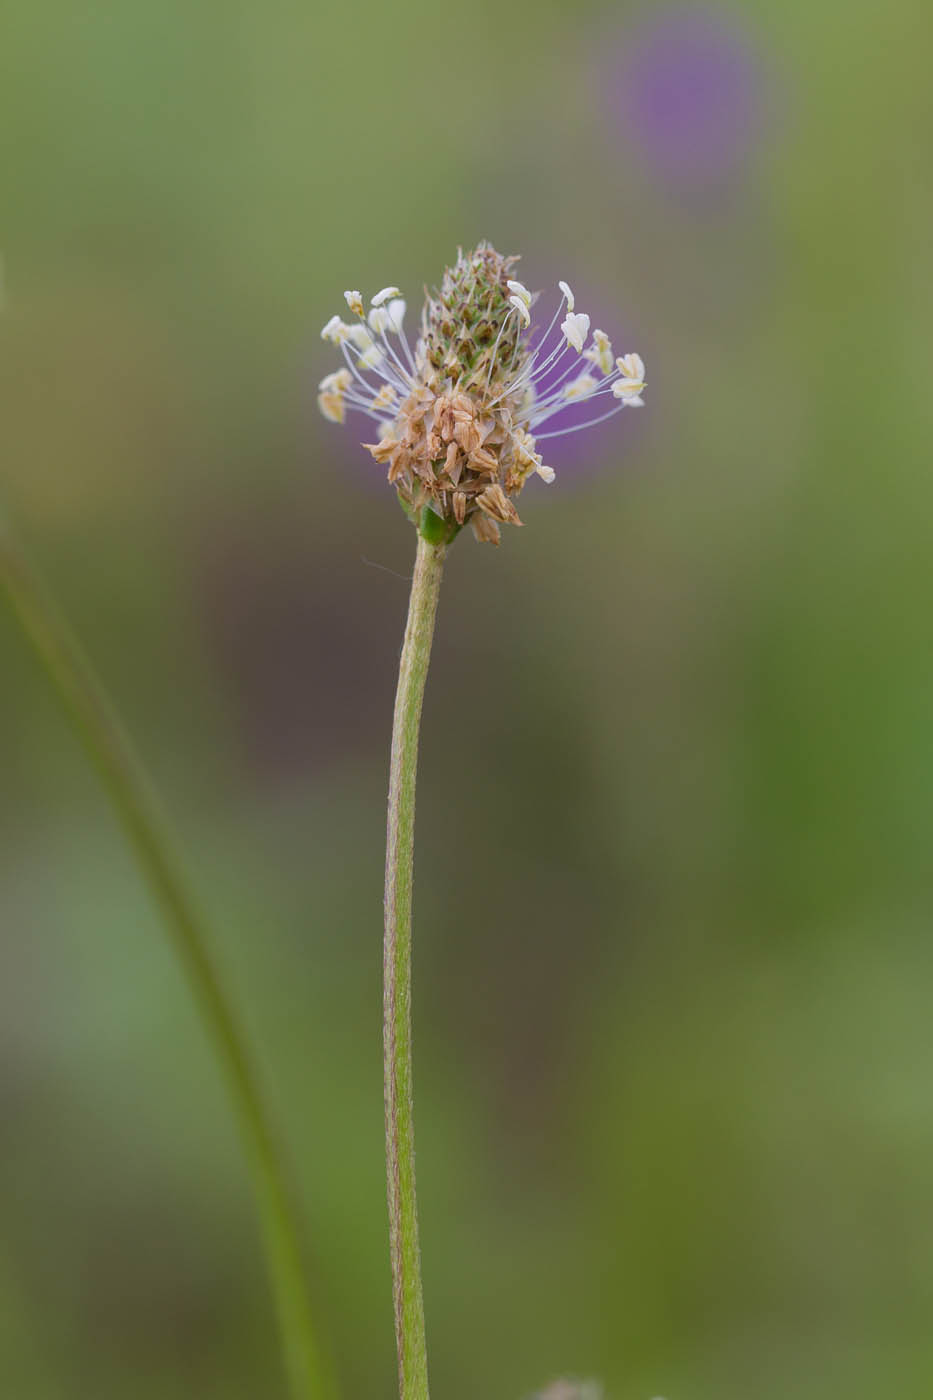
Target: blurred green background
[(673, 966)]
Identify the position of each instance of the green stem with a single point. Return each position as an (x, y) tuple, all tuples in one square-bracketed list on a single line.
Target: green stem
[(400, 1130), (111, 751)]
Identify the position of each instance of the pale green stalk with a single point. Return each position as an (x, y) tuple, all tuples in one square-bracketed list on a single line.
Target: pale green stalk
[(400, 1131), (108, 746)]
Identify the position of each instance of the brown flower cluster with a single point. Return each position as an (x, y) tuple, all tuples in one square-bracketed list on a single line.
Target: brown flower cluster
[(458, 455)]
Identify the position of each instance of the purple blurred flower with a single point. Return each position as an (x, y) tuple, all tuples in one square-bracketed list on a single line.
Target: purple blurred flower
[(687, 92)]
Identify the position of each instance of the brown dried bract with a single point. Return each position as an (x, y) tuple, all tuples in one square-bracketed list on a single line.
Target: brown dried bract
[(496, 503)]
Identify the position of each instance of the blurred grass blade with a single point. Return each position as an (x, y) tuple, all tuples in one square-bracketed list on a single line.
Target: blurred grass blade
[(112, 753)]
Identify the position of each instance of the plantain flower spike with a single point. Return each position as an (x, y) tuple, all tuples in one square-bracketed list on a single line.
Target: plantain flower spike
[(460, 415)]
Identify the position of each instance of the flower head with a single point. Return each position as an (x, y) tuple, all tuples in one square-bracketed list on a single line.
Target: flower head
[(459, 415)]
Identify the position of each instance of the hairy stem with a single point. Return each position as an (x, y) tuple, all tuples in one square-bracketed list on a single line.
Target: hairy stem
[(400, 1131), (111, 751)]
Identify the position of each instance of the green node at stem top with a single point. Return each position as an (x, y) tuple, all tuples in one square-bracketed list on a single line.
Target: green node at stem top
[(435, 530)]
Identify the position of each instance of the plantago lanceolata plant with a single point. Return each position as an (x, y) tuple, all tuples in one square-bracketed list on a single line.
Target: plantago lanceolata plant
[(461, 416), (459, 421)]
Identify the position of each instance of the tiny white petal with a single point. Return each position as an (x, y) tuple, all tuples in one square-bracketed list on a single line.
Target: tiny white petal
[(396, 312), (600, 352), (632, 366), (546, 473), (378, 319), (336, 383), (629, 390), (579, 388), (335, 331), (360, 337), (576, 327), (371, 358), (332, 406), (355, 302), (518, 289), (385, 295), (523, 445), (629, 386), (571, 303), (521, 308)]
